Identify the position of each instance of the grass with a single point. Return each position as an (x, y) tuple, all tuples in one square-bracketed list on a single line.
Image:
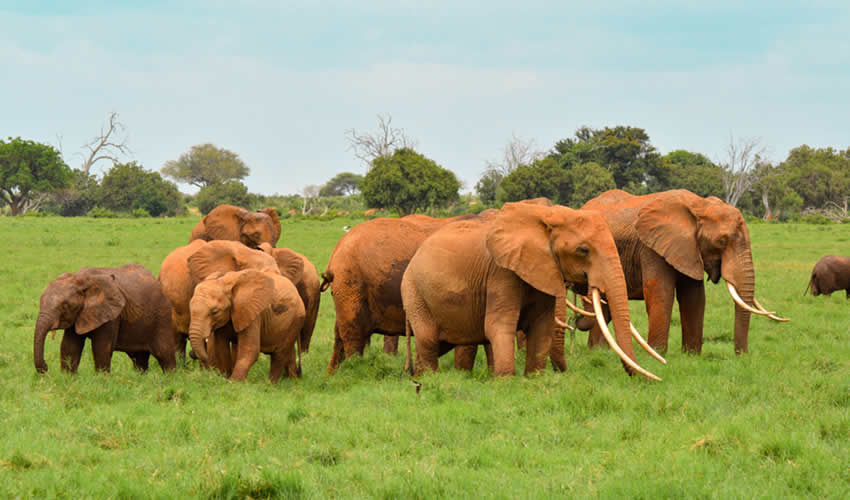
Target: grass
[(774, 423)]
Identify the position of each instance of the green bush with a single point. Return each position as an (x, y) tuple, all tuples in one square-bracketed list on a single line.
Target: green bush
[(102, 213), (140, 212), (815, 219)]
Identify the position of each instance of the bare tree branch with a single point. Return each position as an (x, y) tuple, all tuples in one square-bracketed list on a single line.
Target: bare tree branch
[(739, 167), (384, 142), (103, 147), (518, 151)]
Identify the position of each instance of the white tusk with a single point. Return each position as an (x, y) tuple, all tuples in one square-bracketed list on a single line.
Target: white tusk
[(772, 315), (578, 310), (607, 334), (563, 325), (738, 300), (646, 347)]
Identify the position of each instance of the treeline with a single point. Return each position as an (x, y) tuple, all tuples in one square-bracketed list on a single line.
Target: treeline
[(813, 183)]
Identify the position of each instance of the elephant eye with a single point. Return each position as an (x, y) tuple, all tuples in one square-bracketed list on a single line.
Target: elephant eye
[(723, 241), (583, 250)]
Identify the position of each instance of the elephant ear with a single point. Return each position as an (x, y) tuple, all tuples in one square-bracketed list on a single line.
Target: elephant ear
[(289, 263), (518, 239), (275, 222), (668, 226), (103, 302), (224, 224), (211, 258), (252, 294)]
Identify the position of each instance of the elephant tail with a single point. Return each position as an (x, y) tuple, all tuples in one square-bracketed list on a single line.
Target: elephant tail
[(327, 279), (408, 365), (809, 286)]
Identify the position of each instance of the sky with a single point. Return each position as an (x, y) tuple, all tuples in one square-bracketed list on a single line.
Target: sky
[(279, 83)]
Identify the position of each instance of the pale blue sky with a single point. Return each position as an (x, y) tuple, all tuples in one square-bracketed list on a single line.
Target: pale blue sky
[(280, 82)]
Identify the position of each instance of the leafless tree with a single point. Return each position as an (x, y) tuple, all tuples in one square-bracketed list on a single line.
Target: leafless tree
[(309, 193), (740, 170), (370, 145), (108, 145), (518, 151)]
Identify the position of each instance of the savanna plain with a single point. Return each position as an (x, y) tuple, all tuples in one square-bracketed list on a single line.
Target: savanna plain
[(774, 423)]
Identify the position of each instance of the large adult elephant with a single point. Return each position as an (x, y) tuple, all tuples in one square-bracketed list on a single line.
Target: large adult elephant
[(667, 241), (480, 280), (364, 274), (304, 276), (188, 265), (831, 273), (117, 309), (229, 222)]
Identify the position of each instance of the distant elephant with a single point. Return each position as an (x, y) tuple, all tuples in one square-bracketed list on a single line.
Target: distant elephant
[(831, 273), (480, 280), (667, 241), (118, 309), (229, 222), (364, 273), (259, 311), (304, 276), (179, 279)]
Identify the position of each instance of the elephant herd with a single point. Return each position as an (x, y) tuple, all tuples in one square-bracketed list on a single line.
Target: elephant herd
[(489, 279)]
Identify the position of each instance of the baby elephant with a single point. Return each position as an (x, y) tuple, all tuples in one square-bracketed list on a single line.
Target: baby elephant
[(118, 309), (259, 311), (831, 273)]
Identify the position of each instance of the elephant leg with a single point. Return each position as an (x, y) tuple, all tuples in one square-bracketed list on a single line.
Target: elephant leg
[(491, 361), (102, 346), (658, 297), (691, 297), (280, 360), (556, 353), (391, 344), (71, 350), (140, 360), (595, 338), (465, 357), (222, 359), (180, 340), (520, 340), (248, 349), (539, 343), (167, 361), (338, 352)]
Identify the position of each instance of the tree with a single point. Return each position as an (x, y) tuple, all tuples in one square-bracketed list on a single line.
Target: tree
[(106, 146), (129, 186), (372, 145), (820, 176), (543, 178), (77, 199), (206, 164), (588, 181), (29, 171), (739, 167), (342, 184), (518, 151), (308, 194), (487, 186), (230, 192), (692, 171), (408, 181)]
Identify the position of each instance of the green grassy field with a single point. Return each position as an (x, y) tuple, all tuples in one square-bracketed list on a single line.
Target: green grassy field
[(771, 424)]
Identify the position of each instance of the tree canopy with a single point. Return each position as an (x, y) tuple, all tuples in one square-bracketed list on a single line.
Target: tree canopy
[(206, 164), (28, 172), (129, 186), (227, 193), (342, 184), (407, 181)]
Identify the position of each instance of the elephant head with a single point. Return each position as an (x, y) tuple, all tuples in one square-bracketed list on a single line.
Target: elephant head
[(238, 297), (553, 247), (696, 235), (223, 256), (228, 222), (83, 301)]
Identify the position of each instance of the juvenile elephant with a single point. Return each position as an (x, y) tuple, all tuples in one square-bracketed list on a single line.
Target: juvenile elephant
[(229, 222), (667, 241), (304, 276), (480, 280), (364, 273), (259, 311), (118, 309), (179, 279), (831, 273)]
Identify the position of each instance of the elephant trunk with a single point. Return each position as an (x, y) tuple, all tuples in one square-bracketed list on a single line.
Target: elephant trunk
[(745, 282), (199, 330), (43, 324), (612, 282)]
